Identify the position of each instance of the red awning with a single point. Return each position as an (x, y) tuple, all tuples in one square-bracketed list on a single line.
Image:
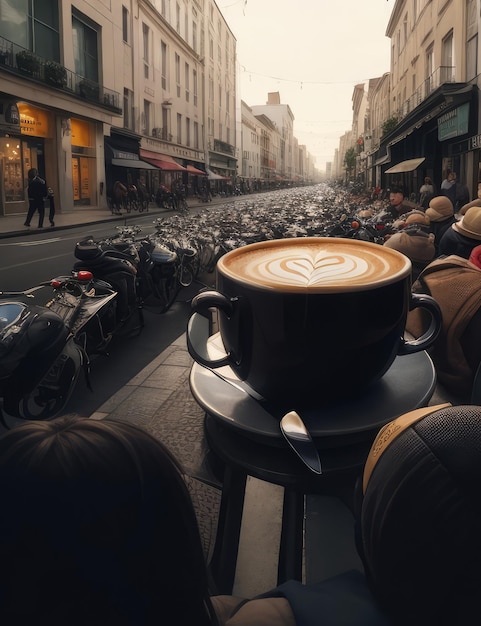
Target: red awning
[(193, 170), (162, 161)]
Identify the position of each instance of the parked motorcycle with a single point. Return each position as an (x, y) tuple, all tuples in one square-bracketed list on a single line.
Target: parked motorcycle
[(163, 265), (43, 349)]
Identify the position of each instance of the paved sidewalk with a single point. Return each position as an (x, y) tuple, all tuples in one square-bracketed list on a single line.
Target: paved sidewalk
[(12, 225)]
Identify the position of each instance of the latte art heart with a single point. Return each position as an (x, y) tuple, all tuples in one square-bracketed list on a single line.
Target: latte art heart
[(315, 264)]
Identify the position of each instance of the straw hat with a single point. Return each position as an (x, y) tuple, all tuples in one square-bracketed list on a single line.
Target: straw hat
[(470, 224), (440, 208)]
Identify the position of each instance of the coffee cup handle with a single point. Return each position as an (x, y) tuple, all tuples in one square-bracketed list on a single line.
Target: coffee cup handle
[(199, 326), (429, 336)]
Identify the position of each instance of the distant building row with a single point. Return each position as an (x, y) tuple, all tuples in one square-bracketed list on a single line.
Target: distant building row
[(132, 90), (422, 118)]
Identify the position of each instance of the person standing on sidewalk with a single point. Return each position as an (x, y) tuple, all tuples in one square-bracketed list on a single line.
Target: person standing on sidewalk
[(37, 191), (51, 207)]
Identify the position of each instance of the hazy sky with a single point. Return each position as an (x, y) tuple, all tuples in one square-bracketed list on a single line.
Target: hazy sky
[(313, 52)]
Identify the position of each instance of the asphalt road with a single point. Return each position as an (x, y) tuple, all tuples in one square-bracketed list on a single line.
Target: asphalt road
[(28, 260)]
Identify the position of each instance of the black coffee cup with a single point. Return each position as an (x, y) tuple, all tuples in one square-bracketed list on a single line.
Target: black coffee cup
[(310, 319)]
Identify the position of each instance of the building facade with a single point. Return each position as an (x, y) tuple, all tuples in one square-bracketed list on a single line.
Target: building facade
[(141, 91)]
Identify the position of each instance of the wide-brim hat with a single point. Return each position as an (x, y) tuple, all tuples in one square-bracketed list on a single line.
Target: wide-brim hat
[(440, 208), (470, 224)]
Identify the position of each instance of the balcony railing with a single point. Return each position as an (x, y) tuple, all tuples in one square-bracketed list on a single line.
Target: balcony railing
[(443, 74), (25, 63), (161, 133)]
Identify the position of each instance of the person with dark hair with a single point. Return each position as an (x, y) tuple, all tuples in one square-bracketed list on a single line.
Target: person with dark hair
[(37, 192), (97, 528)]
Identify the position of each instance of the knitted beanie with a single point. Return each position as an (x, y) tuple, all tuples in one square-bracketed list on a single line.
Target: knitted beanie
[(440, 208)]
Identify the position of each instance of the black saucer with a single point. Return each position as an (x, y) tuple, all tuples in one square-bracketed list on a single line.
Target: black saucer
[(407, 385)]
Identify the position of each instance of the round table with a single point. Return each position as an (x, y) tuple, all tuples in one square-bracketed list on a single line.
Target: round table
[(245, 435)]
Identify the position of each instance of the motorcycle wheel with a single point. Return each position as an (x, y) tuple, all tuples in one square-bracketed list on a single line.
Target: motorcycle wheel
[(51, 395)]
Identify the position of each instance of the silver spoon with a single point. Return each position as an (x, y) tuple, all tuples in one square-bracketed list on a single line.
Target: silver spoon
[(298, 437)]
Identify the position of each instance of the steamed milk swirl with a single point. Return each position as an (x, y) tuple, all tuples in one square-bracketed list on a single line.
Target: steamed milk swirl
[(316, 264)]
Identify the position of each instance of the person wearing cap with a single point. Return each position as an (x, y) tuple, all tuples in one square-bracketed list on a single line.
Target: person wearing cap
[(417, 244), (441, 215), (418, 510), (463, 235), (397, 204)]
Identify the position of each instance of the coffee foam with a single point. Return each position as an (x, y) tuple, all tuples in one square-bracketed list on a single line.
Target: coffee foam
[(315, 264)]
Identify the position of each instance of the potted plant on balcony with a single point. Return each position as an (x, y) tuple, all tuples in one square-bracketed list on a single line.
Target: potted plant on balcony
[(89, 90), (27, 62), (55, 74)]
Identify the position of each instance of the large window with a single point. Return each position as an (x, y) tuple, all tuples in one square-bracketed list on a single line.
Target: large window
[(128, 109), (163, 64), (179, 128), (177, 73), (85, 47), (187, 82), (125, 25), (145, 41), (32, 24), (471, 40), (447, 60)]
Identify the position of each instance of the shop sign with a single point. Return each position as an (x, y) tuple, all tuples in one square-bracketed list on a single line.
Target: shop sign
[(453, 123), (474, 142), (33, 121)]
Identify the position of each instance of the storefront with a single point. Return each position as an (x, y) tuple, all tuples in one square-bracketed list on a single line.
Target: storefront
[(27, 141)]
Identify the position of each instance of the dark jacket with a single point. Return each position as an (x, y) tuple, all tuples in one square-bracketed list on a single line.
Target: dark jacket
[(453, 242), (439, 228), (37, 188)]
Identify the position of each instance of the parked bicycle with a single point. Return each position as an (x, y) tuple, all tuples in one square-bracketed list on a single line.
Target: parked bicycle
[(163, 266)]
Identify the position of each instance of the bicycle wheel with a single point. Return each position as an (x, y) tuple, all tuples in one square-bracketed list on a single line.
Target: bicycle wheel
[(185, 276), (189, 270)]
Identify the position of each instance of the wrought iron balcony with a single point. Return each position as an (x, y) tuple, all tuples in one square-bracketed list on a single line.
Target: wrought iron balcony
[(443, 74), (22, 62), (161, 133)]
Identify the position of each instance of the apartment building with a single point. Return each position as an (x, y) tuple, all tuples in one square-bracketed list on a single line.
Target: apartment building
[(424, 116), (95, 92), (60, 89)]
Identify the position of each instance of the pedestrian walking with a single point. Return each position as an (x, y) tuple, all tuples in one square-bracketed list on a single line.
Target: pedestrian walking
[(37, 191), (51, 206)]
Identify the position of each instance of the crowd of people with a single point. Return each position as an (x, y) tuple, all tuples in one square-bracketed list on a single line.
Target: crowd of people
[(97, 526)]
